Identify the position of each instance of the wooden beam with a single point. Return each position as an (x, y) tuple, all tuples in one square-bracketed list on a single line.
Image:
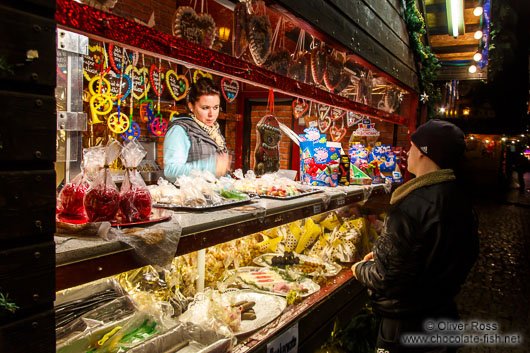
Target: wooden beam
[(456, 56), (442, 30), (445, 40), (455, 49)]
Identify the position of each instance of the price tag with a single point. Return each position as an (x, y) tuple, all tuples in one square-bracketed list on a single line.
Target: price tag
[(287, 342), (341, 201), (317, 209)]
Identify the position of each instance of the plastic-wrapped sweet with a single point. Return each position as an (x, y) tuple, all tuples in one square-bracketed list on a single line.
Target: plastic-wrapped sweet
[(135, 199), (102, 199), (71, 198), (165, 192), (72, 195)]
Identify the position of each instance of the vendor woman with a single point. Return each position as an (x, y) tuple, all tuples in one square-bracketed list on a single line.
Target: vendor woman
[(193, 140)]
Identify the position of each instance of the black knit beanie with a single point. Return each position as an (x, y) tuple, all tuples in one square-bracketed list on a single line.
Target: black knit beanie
[(441, 141)]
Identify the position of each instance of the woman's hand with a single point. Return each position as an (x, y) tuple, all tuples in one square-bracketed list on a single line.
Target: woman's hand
[(223, 161)]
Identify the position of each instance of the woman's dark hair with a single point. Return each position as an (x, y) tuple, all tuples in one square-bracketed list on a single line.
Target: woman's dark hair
[(203, 86)]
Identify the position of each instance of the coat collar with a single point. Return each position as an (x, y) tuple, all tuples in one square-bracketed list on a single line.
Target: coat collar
[(432, 178)]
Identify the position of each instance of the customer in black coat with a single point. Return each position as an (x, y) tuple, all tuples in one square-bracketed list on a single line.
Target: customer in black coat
[(427, 246)]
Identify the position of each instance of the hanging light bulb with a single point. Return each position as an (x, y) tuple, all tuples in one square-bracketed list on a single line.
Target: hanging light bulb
[(472, 69), (477, 11), (442, 110), (478, 35), (477, 57)]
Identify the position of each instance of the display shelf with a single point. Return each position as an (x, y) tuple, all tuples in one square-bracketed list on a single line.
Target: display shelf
[(80, 260), (340, 296)]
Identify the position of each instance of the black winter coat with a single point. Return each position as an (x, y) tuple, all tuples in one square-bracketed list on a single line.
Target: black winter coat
[(428, 244)]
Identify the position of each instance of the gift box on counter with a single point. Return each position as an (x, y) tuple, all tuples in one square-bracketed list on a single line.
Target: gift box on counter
[(319, 159)]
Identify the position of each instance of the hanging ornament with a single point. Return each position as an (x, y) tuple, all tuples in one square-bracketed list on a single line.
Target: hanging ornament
[(280, 57), (147, 110), (337, 113), (158, 126), (118, 122), (345, 81), (132, 133), (424, 97), (118, 59), (95, 62), (198, 29), (260, 35), (311, 119), (337, 134), (239, 30), (364, 94), (199, 74), (177, 85), (324, 121), (318, 64), (157, 76), (298, 65), (333, 72), (299, 108), (230, 89), (139, 82), (267, 152)]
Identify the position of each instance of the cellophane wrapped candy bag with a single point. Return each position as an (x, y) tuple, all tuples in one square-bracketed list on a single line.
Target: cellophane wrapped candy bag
[(102, 198), (72, 195), (135, 199)]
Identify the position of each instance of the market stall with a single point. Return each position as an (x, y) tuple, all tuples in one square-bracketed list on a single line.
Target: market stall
[(120, 81)]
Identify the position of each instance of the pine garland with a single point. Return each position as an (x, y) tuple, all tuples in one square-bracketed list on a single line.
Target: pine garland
[(428, 64)]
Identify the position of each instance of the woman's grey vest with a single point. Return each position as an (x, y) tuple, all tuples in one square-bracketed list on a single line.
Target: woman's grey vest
[(202, 145)]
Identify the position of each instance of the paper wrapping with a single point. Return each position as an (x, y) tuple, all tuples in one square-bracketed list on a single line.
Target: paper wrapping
[(310, 234), (331, 221)]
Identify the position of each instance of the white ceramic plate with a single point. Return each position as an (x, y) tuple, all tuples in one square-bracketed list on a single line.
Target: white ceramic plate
[(330, 269), (307, 284)]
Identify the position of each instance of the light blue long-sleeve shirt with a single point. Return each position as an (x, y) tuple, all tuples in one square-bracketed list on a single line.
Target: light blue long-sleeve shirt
[(176, 148)]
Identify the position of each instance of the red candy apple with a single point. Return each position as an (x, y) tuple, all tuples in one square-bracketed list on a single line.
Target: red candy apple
[(101, 203)]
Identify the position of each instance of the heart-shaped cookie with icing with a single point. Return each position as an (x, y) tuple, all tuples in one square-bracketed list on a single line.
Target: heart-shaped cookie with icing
[(177, 85), (230, 89), (299, 108), (198, 29)]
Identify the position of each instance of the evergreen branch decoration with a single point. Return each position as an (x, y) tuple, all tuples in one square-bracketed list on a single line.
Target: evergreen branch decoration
[(428, 64), (5, 66), (6, 304)]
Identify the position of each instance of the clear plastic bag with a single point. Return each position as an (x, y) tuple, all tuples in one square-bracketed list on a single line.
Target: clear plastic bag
[(102, 198), (135, 199), (166, 192)]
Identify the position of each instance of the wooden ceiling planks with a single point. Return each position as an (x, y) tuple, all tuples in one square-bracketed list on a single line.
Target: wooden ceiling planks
[(445, 46)]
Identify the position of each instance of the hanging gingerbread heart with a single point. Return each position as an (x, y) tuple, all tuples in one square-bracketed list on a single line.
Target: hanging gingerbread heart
[(337, 134), (260, 36), (345, 81), (298, 69), (323, 110), (333, 72), (318, 64), (230, 89), (239, 30), (115, 89), (140, 81), (157, 78), (198, 74), (324, 123), (337, 113), (95, 62), (299, 108), (115, 57), (278, 61), (352, 118), (198, 29), (177, 85)]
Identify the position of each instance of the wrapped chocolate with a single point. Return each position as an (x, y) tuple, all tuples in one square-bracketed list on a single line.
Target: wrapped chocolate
[(310, 233), (293, 236), (135, 199), (102, 198), (331, 221)]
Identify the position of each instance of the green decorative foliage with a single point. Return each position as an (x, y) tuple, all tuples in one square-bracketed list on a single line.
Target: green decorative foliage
[(5, 67), (6, 304), (428, 64)]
